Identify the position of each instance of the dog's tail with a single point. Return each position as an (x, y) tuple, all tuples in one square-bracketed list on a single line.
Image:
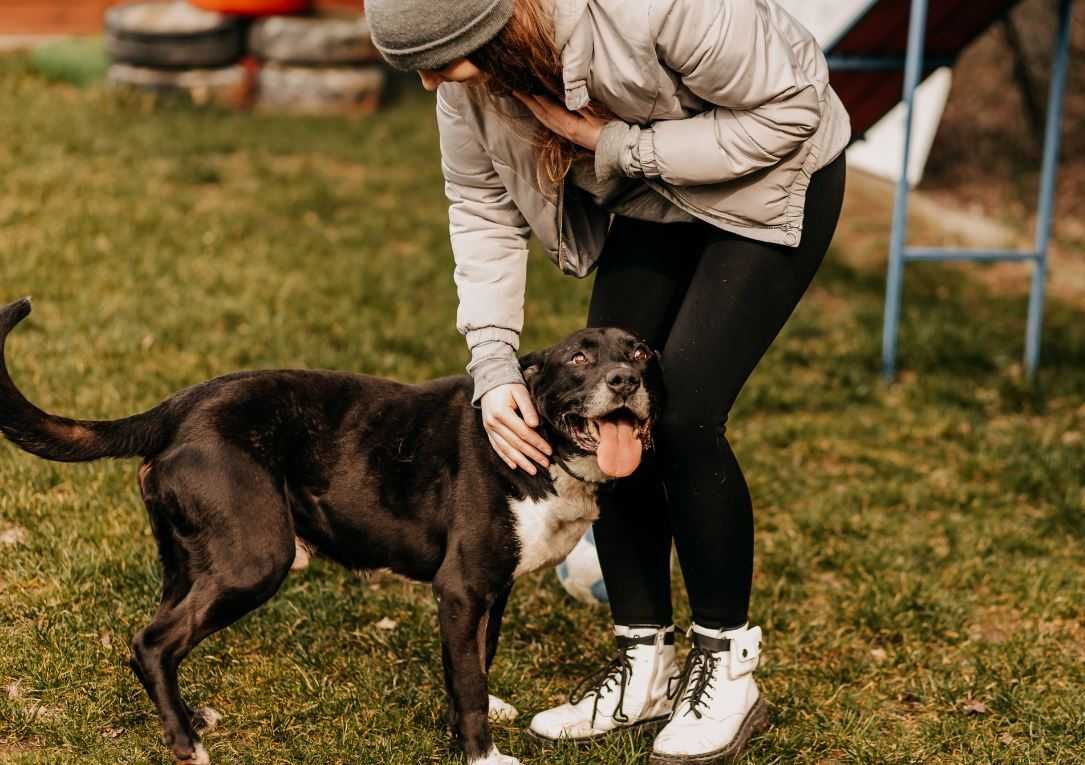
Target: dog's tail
[(64, 440)]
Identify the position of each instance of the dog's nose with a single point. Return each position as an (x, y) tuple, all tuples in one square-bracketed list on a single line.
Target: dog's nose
[(623, 380)]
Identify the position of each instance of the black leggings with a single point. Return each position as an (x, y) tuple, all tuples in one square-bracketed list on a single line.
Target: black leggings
[(712, 302)]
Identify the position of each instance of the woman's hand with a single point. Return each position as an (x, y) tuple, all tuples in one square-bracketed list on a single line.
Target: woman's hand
[(512, 437), (581, 129)]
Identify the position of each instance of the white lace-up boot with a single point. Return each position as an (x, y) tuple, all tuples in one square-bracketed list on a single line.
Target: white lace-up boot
[(719, 706), (630, 691)]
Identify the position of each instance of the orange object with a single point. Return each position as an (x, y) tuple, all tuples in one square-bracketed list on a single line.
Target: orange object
[(254, 7)]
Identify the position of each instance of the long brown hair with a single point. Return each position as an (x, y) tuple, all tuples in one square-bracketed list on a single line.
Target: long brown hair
[(524, 57)]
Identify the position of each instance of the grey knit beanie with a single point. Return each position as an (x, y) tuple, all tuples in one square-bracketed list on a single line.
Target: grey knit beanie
[(424, 34)]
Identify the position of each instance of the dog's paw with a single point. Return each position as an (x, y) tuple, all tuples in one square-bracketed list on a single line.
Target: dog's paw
[(198, 757), (502, 711), (495, 757), (206, 719)]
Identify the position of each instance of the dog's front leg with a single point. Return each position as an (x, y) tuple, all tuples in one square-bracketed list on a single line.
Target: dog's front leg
[(461, 609)]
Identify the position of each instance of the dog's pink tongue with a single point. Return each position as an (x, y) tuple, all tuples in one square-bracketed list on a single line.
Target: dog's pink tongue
[(619, 448)]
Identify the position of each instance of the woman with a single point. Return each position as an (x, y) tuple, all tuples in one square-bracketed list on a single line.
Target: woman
[(690, 152)]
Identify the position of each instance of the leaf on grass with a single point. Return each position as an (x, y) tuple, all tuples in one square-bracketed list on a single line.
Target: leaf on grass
[(387, 624), (40, 712), (974, 707), (12, 536)]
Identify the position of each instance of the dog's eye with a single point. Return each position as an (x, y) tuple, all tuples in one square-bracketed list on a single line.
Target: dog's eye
[(578, 359), (640, 353)]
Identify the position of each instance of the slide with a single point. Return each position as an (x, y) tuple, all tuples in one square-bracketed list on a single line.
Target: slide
[(879, 29), (881, 149)]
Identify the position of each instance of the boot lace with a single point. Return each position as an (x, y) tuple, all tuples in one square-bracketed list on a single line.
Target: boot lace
[(618, 671), (698, 677)]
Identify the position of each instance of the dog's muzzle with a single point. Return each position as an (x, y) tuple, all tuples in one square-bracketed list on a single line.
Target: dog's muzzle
[(618, 438)]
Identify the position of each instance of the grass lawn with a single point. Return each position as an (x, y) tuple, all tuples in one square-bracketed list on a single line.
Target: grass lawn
[(920, 567)]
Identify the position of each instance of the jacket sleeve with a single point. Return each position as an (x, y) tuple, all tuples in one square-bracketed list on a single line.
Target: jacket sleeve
[(489, 239), (729, 54)]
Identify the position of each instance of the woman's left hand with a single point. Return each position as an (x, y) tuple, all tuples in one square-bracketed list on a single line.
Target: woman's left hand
[(581, 129)]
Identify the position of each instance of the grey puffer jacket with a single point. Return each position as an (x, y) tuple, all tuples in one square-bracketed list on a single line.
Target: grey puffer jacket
[(724, 107)]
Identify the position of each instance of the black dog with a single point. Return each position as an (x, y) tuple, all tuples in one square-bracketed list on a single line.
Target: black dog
[(365, 471)]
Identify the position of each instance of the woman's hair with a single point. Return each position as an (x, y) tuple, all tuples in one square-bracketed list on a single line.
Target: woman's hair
[(524, 57)]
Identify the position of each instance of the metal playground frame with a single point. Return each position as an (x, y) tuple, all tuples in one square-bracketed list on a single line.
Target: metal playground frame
[(937, 32)]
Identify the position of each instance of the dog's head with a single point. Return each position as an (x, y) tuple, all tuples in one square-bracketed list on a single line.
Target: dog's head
[(599, 391)]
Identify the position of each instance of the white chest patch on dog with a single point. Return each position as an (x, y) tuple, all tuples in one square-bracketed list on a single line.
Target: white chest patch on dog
[(548, 529)]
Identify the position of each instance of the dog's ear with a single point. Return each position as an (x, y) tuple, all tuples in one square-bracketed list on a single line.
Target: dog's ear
[(532, 363)]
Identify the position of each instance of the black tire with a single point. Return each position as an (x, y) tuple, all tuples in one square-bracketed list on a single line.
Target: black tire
[(316, 41), (143, 34)]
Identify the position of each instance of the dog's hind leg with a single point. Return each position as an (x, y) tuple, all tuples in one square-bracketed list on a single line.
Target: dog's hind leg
[(157, 652), (226, 544)]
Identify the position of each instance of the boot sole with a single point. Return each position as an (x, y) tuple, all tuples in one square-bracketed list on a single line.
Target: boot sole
[(757, 719), (585, 741)]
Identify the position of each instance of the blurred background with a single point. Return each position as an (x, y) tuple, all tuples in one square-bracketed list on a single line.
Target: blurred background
[(188, 191)]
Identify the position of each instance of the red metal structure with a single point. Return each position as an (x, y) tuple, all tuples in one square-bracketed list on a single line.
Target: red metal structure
[(868, 59)]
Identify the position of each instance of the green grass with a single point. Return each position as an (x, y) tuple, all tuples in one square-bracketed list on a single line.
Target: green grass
[(74, 60), (919, 546)]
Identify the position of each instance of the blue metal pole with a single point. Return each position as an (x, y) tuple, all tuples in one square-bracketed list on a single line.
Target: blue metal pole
[(917, 33), (1046, 213), (884, 63)]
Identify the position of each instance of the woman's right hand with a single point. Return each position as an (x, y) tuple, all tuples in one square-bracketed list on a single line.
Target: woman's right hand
[(509, 416)]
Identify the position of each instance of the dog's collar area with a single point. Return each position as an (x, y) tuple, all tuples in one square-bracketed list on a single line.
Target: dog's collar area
[(573, 474)]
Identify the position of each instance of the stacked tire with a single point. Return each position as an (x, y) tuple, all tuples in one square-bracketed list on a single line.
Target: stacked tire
[(322, 64), (172, 46), (232, 53)]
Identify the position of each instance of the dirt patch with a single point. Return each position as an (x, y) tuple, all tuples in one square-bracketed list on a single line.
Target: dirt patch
[(11, 751), (986, 159), (951, 219), (986, 150), (994, 624)]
